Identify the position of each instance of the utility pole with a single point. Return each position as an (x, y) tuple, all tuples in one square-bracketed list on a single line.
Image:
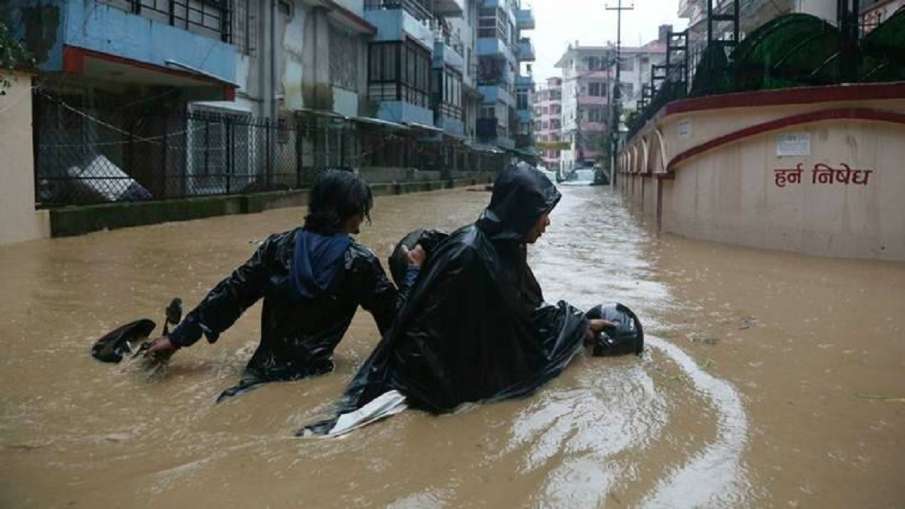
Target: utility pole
[(616, 107)]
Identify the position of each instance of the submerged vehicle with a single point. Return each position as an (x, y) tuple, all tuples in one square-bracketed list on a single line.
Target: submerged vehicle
[(580, 177)]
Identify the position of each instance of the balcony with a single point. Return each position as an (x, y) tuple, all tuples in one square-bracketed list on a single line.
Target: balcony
[(447, 55), (448, 50), (399, 20), (496, 93), (491, 46), (524, 19), (525, 50), (130, 42), (449, 8), (524, 82), (418, 9), (592, 99)]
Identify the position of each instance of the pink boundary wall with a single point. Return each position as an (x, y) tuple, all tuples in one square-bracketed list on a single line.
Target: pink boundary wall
[(817, 170)]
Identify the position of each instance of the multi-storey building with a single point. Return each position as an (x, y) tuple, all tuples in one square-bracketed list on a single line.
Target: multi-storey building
[(111, 73), (202, 97), (587, 89), (524, 96), (586, 81), (464, 30), (501, 48), (635, 67), (548, 122)]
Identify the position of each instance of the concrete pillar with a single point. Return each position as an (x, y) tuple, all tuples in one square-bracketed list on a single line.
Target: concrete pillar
[(316, 90), (18, 218)]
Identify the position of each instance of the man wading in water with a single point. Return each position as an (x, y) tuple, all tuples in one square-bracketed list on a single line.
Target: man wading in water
[(476, 327), (312, 280)]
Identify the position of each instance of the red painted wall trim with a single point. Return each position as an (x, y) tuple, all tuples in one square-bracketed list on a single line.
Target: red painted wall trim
[(74, 62), (781, 123), (803, 95)]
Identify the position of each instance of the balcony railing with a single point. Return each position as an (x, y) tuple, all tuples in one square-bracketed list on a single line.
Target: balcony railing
[(419, 9), (452, 40), (524, 18), (205, 17), (525, 50)]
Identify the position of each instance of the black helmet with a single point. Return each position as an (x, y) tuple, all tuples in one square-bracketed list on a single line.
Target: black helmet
[(626, 337)]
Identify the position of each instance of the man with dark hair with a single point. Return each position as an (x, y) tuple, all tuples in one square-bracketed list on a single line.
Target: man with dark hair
[(312, 280)]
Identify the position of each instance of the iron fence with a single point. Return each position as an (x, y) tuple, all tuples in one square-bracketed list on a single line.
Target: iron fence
[(86, 154)]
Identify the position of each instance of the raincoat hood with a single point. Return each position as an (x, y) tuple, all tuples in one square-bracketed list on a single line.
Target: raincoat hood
[(521, 195), (315, 262)]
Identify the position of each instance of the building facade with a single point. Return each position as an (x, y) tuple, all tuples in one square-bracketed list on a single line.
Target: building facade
[(548, 122), (149, 99), (501, 49), (586, 81), (636, 63)]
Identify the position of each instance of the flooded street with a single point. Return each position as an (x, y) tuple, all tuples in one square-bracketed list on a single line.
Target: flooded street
[(770, 380)]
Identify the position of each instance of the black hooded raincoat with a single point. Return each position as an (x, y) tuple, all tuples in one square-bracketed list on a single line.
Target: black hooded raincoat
[(476, 327), (298, 332)]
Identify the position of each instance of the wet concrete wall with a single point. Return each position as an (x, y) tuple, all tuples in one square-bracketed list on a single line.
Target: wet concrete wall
[(18, 218), (70, 221), (813, 171)]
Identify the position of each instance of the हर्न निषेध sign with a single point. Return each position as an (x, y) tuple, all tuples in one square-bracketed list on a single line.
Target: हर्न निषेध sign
[(821, 173)]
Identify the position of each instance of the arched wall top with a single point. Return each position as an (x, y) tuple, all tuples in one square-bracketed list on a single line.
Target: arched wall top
[(865, 114)]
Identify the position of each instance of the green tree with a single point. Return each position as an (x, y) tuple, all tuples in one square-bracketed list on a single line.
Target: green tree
[(13, 56)]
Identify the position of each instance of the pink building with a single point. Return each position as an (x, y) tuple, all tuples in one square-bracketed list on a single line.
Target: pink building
[(548, 121)]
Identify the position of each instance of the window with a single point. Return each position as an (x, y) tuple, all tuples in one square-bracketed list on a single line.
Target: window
[(493, 23), (244, 27), (521, 100), (628, 89), (596, 89), (343, 59), (490, 71), (447, 90), (627, 63), (595, 63), (399, 72), (287, 9), (596, 114)]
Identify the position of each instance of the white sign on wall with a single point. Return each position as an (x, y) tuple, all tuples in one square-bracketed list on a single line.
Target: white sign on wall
[(793, 144), (685, 129)]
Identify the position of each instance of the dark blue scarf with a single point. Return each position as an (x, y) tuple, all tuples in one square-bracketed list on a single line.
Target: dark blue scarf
[(316, 261)]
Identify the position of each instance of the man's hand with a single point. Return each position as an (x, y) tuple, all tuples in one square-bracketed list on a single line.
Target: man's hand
[(595, 327), (160, 350), (415, 256)]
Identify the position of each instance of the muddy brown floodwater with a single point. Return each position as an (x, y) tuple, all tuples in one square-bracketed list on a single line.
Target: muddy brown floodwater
[(770, 380)]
